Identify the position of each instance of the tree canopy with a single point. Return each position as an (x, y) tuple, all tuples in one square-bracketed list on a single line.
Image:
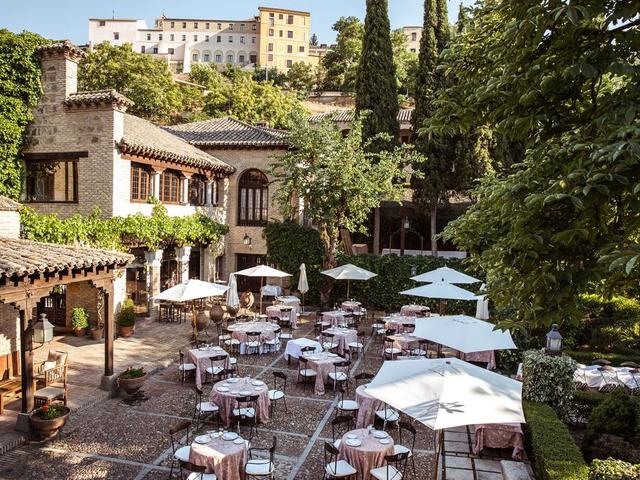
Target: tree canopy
[(562, 79), (340, 64), (20, 91), (302, 77)]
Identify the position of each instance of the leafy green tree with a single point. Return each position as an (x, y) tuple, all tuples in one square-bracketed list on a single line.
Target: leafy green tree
[(301, 77), (562, 79), (142, 78), (406, 62), (339, 179), (376, 86), (271, 75), (340, 64), (463, 19), (19, 93), (443, 32)]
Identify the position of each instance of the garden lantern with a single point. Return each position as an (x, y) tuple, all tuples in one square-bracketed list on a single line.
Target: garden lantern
[(554, 341), (43, 330), (246, 240)]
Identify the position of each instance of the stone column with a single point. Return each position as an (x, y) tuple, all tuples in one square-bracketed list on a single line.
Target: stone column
[(153, 262), (185, 189), (155, 183), (182, 258), (210, 192)]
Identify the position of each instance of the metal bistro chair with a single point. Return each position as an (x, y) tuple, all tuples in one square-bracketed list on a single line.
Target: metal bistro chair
[(347, 407), (253, 343), (278, 392), (387, 415), (245, 413), (274, 344), (364, 376), (201, 409), (358, 346), (320, 325), (340, 374), (219, 363), (196, 471), (184, 368), (305, 372), (327, 340), (261, 467), (306, 350), (335, 468), (409, 433), (394, 469), (180, 450), (610, 378), (389, 351), (339, 426)]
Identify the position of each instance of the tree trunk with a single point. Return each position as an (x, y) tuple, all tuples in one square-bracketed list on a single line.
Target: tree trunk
[(376, 231), (330, 243), (434, 227)]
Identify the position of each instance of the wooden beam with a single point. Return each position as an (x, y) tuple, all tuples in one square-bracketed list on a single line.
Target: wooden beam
[(26, 358), (108, 331)]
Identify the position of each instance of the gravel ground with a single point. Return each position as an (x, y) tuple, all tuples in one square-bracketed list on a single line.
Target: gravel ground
[(116, 440)]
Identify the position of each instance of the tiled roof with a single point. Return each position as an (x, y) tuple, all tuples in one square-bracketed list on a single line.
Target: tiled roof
[(63, 46), (20, 257), (143, 138), (98, 97), (346, 116), (229, 132), (8, 205)]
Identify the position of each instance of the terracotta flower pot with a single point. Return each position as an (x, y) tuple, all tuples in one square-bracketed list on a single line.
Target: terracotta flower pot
[(216, 313), (131, 385), (96, 333), (80, 332), (48, 428), (125, 331)]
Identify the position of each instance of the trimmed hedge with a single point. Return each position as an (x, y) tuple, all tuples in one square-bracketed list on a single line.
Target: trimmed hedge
[(553, 453), (611, 469), (587, 357)]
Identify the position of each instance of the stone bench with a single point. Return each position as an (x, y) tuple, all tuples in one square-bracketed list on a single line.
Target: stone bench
[(514, 470)]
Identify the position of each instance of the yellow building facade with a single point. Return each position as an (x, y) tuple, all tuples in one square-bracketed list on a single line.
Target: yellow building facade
[(284, 37)]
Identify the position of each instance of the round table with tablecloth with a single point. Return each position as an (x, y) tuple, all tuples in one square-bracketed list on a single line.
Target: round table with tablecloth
[(239, 332), (367, 456), (225, 393)]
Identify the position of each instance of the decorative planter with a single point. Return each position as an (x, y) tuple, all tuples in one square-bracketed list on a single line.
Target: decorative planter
[(125, 331), (48, 428), (216, 313), (96, 333), (80, 332), (131, 385)]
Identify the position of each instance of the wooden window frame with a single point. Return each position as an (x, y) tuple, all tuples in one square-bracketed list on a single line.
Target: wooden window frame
[(138, 181), (55, 159), (165, 176), (253, 199), (198, 191)]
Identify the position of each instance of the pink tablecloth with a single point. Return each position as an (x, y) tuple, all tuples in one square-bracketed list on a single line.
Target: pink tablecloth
[(226, 401), (367, 456), (413, 310), (367, 407), (275, 311), (239, 332), (397, 323), (405, 341), (343, 337), (500, 435), (335, 317), (322, 363), (223, 458), (350, 306), (200, 358), (488, 357)]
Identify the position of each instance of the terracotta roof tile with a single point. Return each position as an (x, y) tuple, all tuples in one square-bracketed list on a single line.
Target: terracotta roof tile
[(63, 46), (346, 116), (97, 97), (8, 205)]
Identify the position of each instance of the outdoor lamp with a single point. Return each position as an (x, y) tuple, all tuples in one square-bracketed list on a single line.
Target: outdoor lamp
[(43, 330), (246, 240), (407, 225), (554, 341)]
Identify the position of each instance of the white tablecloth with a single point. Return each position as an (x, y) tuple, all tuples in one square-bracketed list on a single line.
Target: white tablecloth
[(271, 290), (289, 300), (595, 379), (294, 347)]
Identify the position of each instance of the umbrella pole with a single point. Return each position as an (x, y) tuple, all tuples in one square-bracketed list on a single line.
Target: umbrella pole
[(348, 287), (193, 320), (439, 454), (261, 281)]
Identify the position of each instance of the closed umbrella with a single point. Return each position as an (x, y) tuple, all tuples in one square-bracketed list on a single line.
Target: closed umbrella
[(303, 284), (349, 272), (233, 300), (262, 271), (445, 274), (441, 291), (465, 334), (482, 308)]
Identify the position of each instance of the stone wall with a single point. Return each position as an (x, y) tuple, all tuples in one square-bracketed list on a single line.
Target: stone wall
[(82, 295), (9, 340)]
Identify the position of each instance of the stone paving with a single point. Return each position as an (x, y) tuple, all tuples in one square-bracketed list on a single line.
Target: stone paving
[(108, 438)]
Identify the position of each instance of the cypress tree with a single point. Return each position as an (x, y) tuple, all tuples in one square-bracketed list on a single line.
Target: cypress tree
[(461, 25), (442, 24), (376, 87)]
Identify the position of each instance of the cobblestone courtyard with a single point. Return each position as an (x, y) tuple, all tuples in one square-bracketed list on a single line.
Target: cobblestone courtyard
[(108, 438)]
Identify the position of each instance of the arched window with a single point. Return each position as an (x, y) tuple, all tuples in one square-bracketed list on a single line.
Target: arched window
[(253, 198)]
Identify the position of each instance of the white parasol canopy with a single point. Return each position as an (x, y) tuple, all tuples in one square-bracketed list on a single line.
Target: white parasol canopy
[(262, 271), (303, 284), (445, 274), (448, 392), (441, 290), (192, 290), (233, 300), (349, 272), (465, 334)]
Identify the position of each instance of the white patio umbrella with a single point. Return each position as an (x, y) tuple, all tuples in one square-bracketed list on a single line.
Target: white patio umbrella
[(441, 291), (448, 392), (445, 274), (233, 300), (482, 308), (189, 291), (465, 334), (303, 284), (262, 271), (349, 272)]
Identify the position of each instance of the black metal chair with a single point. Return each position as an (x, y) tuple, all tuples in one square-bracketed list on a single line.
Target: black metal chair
[(335, 468), (261, 467), (201, 409), (245, 413), (409, 432), (363, 376), (340, 374), (305, 372), (197, 472), (253, 343), (219, 364), (340, 425), (279, 391), (357, 346), (389, 350), (180, 449), (394, 469), (184, 368), (347, 407)]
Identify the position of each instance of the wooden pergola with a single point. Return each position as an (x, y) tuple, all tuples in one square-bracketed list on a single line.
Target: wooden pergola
[(30, 270)]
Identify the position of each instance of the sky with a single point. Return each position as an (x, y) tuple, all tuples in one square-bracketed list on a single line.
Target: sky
[(67, 19)]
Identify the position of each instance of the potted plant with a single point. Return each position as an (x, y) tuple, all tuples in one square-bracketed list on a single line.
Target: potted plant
[(126, 319), (79, 321), (97, 328), (131, 379), (48, 419)]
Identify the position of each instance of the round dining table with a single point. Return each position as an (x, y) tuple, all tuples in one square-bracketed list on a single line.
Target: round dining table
[(239, 332), (200, 358), (226, 392), (223, 456), (283, 312), (398, 322), (366, 451), (351, 306), (368, 405)]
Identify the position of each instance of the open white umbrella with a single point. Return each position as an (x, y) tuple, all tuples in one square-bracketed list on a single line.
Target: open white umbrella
[(465, 334), (441, 291), (448, 392), (303, 283), (233, 300), (262, 271), (349, 272), (445, 274), (189, 291)]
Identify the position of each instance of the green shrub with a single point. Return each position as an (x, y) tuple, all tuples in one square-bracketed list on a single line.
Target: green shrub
[(549, 379), (617, 415), (611, 469), (130, 373), (585, 401), (553, 453), (127, 315), (587, 357), (79, 318)]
